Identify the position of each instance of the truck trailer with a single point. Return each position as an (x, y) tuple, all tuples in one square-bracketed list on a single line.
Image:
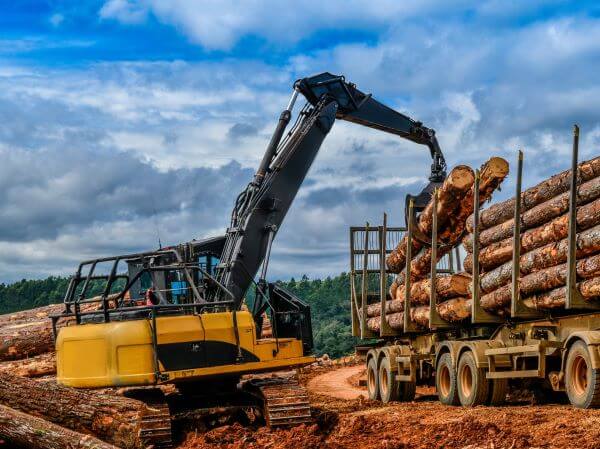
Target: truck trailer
[(474, 361)]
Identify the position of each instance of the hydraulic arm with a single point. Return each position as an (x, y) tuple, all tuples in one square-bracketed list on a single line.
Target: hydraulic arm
[(260, 209)]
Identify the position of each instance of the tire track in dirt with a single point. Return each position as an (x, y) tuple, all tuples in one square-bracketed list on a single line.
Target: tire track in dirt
[(337, 384)]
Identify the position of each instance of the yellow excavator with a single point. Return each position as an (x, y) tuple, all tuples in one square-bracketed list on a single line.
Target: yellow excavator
[(187, 315)]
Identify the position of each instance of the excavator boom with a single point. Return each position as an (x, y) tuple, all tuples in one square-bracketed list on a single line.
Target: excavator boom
[(260, 209)]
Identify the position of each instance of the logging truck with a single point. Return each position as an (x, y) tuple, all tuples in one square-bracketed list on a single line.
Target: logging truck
[(544, 333)]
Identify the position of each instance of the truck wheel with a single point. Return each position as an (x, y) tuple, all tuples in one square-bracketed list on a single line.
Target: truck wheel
[(389, 387), (372, 380), (445, 381), (473, 387), (498, 389), (582, 381)]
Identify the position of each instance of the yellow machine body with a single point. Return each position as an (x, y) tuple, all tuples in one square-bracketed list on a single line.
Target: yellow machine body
[(188, 347)]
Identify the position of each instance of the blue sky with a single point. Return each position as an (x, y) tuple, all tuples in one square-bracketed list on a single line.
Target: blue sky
[(124, 119)]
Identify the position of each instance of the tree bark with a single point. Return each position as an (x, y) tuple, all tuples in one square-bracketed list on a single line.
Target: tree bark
[(454, 188), (25, 339), (497, 253), (391, 306), (29, 333), (455, 310), (549, 188), (588, 243), (114, 419), (31, 432), (446, 286), (420, 315), (37, 314), (543, 213), (541, 281), (40, 365), (556, 298)]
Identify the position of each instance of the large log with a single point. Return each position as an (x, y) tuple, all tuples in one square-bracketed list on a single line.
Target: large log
[(491, 175), (29, 333), (455, 310), (545, 190), (556, 298), (30, 432), (497, 253), (36, 314), (114, 419), (541, 281), (587, 243), (539, 215), (420, 315), (446, 286), (38, 366), (454, 188), (25, 339), (391, 306)]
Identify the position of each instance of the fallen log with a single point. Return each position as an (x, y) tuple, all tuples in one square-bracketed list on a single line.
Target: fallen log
[(31, 432), (545, 190), (497, 253), (37, 314), (38, 366), (556, 298), (25, 339), (587, 244), (540, 281), (29, 333), (455, 186), (114, 419)]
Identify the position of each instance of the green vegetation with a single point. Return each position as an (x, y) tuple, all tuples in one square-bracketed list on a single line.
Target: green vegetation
[(328, 299)]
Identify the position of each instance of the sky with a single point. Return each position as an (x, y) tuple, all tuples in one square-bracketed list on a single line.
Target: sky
[(126, 121)]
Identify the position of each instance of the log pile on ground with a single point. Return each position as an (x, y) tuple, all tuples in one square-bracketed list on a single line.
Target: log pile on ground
[(543, 242), (114, 419)]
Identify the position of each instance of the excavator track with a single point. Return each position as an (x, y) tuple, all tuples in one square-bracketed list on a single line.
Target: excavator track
[(155, 428), (285, 402)]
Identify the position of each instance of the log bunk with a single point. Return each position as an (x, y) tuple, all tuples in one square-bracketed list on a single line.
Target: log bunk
[(552, 223)]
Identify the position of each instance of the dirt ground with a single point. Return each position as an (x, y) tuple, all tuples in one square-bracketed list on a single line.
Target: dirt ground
[(344, 419)]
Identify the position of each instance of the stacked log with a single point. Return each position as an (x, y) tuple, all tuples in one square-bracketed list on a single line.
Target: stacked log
[(452, 191), (454, 204), (452, 293), (544, 224)]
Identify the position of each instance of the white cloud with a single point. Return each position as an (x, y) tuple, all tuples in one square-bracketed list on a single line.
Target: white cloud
[(56, 19)]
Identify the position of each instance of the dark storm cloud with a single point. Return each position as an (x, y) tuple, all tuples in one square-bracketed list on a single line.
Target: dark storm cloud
[(44, 192)]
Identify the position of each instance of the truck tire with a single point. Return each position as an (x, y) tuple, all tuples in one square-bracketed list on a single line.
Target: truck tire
[(473, 387), (498, 389), (373, 380), (389, 387), (445, 381), (581, 380)]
